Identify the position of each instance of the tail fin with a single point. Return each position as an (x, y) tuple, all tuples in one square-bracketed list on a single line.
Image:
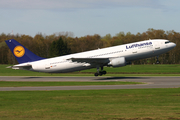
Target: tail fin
[(21, 53)]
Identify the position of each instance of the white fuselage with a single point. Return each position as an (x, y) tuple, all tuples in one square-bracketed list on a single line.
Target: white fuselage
[(130, 52)]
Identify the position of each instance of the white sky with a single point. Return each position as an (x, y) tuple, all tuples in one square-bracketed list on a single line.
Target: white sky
[(88, 17)]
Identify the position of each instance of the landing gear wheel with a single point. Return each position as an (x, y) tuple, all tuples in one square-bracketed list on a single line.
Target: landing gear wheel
[(104, 72), (96, 74), (100, 74)]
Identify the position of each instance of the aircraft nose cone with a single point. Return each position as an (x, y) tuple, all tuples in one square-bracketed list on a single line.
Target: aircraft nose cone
[(171, 45), (174, 45)]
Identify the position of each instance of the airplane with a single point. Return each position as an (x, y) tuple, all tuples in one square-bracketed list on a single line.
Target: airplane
[(116, 56)]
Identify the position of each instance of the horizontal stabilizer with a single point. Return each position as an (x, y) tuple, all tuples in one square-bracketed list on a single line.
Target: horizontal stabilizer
[(21, 67)]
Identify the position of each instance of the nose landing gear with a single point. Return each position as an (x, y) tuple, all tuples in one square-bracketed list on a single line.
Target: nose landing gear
[(157, 60)]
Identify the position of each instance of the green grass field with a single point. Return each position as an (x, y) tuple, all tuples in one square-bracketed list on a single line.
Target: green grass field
[(129, 70), (132, 104), (136, 104)]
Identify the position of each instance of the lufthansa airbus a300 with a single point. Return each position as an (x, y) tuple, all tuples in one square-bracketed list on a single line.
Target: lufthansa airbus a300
[(116, 56)]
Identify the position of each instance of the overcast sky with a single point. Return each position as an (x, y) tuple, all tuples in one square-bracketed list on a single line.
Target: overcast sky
[(88, 17)]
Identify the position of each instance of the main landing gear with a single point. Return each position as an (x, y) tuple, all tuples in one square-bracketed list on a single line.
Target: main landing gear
[(102, 72)]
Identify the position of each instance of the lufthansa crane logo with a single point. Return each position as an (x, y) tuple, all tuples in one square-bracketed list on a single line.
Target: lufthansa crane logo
[(19, 51)]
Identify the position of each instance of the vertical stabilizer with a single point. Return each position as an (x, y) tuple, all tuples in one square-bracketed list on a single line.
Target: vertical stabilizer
[(21, 53)]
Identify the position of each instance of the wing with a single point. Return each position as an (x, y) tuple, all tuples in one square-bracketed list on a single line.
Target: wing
[(92, 61)]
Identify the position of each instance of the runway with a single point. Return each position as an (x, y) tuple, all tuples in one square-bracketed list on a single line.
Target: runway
[(151, 82)]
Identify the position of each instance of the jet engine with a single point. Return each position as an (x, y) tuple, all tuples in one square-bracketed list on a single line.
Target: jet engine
[(117, 62)]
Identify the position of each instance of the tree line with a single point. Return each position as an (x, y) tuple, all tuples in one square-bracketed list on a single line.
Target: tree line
[(48, 46)]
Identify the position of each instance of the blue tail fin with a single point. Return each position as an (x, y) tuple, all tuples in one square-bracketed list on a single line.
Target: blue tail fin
[(21, 53)]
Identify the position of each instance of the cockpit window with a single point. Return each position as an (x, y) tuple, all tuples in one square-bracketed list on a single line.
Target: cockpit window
[(167, 42)]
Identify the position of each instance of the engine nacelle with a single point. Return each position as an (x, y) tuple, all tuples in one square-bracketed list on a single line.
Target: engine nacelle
[(117, 62)]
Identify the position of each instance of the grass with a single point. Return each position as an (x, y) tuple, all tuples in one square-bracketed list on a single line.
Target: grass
[(129, 70), (143, 69), (25, 84), (144, 104)]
